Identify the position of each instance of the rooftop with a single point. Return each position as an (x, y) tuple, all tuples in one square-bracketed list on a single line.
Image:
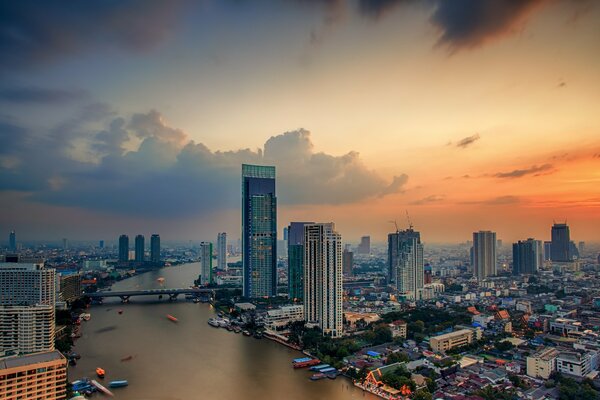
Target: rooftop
[(20, 361)]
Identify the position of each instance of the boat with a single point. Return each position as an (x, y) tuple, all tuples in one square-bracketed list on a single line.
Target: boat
[(196, 300), (305, 362), (100, 372), (160, 280), (229, 328), (213, 322), (172, 318), (319, 367), (120, 311), (128, 358), (72, 362), (85, 316), (117, 384), (74, 355), (332, 375), (237, 329), (317, 376), (258, 335), (246, 333), (101, 388), (328, 370)]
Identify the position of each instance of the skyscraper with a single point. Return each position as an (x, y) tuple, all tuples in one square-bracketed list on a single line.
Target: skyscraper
[(347, 262), (364, 247), (65, 244), (405, 253), (206, 251), (484, 254), (526, 257), (222, 251), (295, 234), (101, 244), (123, 248), (26, 284), (323, 277), (561, 243), (259, 231), (12, 241), (155, 248), (139, 248)]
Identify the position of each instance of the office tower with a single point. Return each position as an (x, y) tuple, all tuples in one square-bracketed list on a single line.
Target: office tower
[(407, 268), (65, 244), (573, 251), (547, 250), (155, 248), (484, 254), (12, 241), (295, 248), (397, 242), (427, 274), (364, 247), (123, 248), (561, 243), (259, 231), (206, 251), (39, 376), (101, 244), (323, 277), (540, 253), (347, 262), (581, 248), (222, 251), (26, 329), (526, 257), (25, 284), (139, 248)]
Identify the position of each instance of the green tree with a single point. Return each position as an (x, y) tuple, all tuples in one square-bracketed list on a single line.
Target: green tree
[(422, 394)]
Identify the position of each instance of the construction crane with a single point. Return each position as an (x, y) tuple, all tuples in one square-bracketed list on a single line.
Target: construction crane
[(395, 224), (410, 225)]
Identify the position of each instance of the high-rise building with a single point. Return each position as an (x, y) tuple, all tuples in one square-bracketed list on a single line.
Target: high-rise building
[(69, 287), (26, 329), (123, 248), (561, 243), (101, 244), (347, 262), (573, 251), (547, 250), (25, 284), (38, 376), (526, 257), (155, 248), (427, 274), (295, 248), (259, 231), (323, 278), (484, 254), (65, 244), (364, 247), (206, 252), (405, 253), (222, 251), (12, 241), (285, 233), (581, 248), (139, 248)]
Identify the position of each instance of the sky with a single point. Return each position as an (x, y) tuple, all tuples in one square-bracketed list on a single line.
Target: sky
[(135, 116)]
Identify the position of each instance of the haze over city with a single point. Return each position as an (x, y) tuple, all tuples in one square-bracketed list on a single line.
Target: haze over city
[(137, 116)]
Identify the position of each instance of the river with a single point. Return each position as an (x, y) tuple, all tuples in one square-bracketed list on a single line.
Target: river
[(189, 359)]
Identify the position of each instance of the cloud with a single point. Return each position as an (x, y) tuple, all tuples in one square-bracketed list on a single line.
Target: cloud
[(38, 32), (36, 95), (518, 173), (469, 140), (168, 175), (470, 23), (497, 201), (377, 8), (434, 198)]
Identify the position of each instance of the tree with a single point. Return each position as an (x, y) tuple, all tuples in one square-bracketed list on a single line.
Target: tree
[(396, 357), (422, 394), (383, 334), (504, 345)]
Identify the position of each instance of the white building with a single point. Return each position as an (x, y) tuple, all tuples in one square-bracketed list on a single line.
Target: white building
[(280, 317), (484, 254), (323, 278), (206, 271), (576, 363), (542, 364), (27, 284), (26, 329), (222, 251), (564, 326)]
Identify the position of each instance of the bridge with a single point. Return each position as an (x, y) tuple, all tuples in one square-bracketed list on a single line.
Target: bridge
[(172, 293)]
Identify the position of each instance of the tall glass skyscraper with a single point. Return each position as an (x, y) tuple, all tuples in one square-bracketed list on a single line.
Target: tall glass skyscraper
[(295, 235), (405, 261), (12, 241), (222, 251), (259, 231), (155, 248), (206, 273), (123, 248), (561, 243), (526, 257), (484, 254), (139, 248)]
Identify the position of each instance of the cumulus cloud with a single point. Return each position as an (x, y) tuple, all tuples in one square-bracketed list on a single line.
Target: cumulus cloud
[(35, 32), (469, 140), (518, 173), (168, 175), (37, 95)]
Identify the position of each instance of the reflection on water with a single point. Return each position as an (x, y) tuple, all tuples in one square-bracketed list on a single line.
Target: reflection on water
[(189, 359)]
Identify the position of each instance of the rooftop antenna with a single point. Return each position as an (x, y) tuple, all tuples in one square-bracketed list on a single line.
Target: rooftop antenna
[(410, 225)]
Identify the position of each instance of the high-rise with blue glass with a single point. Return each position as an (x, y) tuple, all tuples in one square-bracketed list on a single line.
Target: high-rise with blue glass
[(259, 231), (295, 235)]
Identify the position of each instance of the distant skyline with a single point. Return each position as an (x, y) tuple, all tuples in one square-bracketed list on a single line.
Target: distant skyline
[(136, 116)]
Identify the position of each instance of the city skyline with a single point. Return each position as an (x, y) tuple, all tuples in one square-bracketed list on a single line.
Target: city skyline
[(351, 132)]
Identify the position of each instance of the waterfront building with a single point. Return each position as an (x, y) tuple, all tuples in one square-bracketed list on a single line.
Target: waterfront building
[(447, 341), (12, 241), (222, 251), (259, 231), (155, 248), (484, 254), (26, 329), (405, 261), (526, 257), (69, 288), (25, 284), (347, 262), (364, 247), (281, 317), (206, 253), (323, 278), (542, 364), (561, 243), (295, 249), (139, 249), (38, 376), (123, 248)]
